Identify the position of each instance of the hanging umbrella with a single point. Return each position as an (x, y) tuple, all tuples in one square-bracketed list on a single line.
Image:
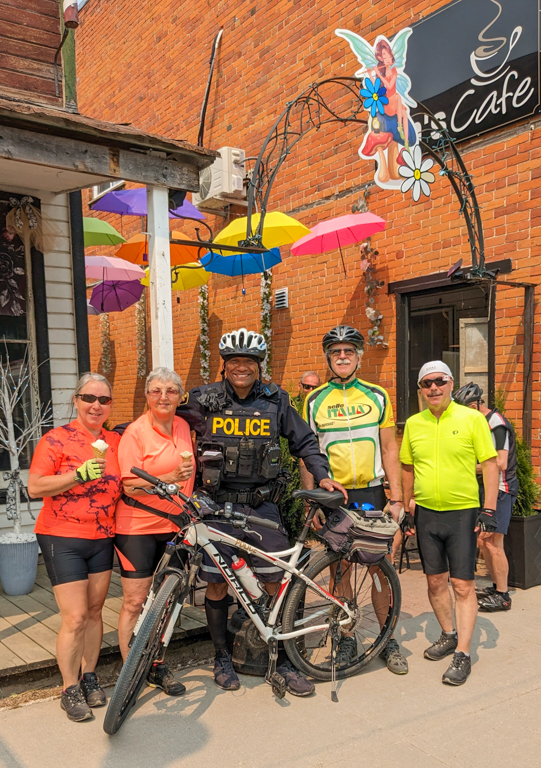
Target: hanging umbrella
[(99, 232), (116, 295), (337, 233), (278, 229), (185, 277), (135, 250), (241, 263), (90, 310), (133, 202), (111, 268)]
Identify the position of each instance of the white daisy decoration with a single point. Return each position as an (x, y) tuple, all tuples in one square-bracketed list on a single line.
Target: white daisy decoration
[(416, 172)]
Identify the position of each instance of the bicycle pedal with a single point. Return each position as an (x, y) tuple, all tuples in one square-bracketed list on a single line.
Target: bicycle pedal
[(278, 684)]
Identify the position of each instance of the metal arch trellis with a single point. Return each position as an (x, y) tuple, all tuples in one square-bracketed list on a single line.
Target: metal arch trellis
[(311, 110)]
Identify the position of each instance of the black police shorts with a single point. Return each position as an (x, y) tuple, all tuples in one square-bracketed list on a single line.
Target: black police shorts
[(270, 541), (139, 554), (68, 559), (447, 541)]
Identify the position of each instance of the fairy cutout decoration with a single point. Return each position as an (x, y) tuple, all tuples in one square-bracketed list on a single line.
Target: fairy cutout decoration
[(392, 138)]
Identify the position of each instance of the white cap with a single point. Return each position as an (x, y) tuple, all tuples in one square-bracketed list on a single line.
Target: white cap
[(436, 366)]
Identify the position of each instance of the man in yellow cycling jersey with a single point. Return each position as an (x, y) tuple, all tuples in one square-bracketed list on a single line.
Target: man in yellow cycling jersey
[(354, 423), (441, 448)]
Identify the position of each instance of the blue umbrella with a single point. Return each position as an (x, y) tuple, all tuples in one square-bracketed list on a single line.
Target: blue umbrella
[(241, 263), (133, 202)]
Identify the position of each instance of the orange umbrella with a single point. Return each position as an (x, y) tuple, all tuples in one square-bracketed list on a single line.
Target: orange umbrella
[(136, 250)]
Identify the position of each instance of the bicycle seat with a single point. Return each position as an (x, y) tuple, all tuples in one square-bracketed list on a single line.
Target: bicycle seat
[(331, 499)]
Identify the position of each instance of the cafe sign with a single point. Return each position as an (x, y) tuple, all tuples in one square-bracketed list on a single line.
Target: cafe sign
[(475, 64)]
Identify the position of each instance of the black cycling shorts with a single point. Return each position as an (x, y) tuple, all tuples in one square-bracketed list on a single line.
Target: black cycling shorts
[(139, 555), (447, 541), (270, 541), (68, 559), (374, 495)]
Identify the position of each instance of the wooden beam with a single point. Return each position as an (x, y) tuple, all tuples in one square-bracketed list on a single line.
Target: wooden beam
[(94, 159), (161, 306)]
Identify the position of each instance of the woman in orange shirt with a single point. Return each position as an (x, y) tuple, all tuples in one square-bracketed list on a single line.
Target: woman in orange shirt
[(80, 486), (154, 442)]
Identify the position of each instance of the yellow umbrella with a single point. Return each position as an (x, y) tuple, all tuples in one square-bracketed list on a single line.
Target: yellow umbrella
[(187, 276), (278, 229)]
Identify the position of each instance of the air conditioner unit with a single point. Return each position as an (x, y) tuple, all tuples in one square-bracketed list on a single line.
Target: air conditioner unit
[(222, 182)]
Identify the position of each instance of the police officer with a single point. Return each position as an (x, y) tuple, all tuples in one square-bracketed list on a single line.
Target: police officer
[(238, 423)]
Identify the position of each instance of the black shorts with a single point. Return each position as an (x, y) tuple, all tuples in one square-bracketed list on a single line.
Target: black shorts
[(68, 559), (374, 495), (270, 541), (139, 554), (447, 541)]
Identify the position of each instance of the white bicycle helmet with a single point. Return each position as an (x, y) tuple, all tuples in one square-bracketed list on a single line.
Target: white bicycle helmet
[(243, 342)]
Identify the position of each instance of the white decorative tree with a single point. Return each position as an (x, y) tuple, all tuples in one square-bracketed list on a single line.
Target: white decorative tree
[(20, 423)]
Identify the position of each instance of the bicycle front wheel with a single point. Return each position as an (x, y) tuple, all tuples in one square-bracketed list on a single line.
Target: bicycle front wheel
[(372, 592), (145, 649)]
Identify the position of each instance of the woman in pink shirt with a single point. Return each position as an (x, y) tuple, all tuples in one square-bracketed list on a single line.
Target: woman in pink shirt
[(154, 442)]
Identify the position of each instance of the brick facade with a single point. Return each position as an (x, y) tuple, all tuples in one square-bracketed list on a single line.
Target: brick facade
[(148, 65)]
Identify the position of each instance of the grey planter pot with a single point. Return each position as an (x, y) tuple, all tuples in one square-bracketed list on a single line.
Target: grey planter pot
[(18, 566)]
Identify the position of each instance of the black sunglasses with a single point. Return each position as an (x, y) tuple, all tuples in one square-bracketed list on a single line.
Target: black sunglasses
[(308, 387), (102, 399), (439, 382)]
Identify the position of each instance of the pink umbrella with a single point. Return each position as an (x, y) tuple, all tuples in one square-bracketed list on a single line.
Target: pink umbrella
[(111, 268), (337, 234)]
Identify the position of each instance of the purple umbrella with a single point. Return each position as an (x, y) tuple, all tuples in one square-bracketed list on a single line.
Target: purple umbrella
[(133, 202), (116, 295)]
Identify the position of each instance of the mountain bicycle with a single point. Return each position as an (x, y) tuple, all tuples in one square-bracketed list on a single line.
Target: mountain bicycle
[(322, 599)]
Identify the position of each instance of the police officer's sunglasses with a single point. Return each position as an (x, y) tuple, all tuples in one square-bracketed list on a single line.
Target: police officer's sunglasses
[(439, 382), (102, 399)]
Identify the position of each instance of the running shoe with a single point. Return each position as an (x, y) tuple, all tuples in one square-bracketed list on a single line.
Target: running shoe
[(346, 653), (160, 676), (394, 659), (459, 669), (92, 690), (224, 674), (296, 684), (443, 647), (73, 703), (494, 602)]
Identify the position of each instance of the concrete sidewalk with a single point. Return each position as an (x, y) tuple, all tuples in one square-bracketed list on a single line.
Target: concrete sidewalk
[(381, 720)]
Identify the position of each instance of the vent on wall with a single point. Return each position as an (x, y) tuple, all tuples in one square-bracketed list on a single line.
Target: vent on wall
[(281, 298)]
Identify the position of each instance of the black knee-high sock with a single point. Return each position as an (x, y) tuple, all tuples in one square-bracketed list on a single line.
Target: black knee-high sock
[(216, 611)]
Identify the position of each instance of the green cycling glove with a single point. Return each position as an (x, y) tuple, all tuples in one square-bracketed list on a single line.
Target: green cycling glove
[(90, 470)]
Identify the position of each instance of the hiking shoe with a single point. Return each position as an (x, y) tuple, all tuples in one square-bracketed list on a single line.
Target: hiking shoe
[(459, 670), (346, 653), (73, 703), (441, 648), (224, 674), (296, 684), (393, 657), (494, 602), (160, 676), (92, 690)]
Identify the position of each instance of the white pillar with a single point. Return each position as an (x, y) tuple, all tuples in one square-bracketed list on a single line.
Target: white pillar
[(161, 309)]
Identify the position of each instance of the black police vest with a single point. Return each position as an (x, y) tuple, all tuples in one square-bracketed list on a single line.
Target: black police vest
[(246, 436)]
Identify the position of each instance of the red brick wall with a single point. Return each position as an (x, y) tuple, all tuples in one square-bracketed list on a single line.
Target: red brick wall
[(150, 68)]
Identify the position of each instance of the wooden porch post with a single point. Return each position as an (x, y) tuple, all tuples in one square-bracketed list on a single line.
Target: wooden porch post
[(161, 317)]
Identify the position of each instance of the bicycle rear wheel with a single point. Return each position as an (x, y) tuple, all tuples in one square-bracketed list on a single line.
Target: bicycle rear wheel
[(145, 649), (373, 592)]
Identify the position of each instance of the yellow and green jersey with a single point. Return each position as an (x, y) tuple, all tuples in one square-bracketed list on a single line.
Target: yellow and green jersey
[(444, 453), (347, 419)]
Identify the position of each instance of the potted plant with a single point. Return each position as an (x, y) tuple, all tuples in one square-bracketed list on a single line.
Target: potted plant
[(22, 420), (523, 540)]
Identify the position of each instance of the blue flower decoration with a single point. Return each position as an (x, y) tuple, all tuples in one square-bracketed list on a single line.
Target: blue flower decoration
[(374, 96)]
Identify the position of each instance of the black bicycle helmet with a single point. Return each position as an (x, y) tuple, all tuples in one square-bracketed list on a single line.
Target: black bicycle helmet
[(341, 334), (469, 393), (243, 342)]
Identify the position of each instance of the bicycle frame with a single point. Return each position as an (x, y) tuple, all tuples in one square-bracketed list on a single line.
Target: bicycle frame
[(202, 535)]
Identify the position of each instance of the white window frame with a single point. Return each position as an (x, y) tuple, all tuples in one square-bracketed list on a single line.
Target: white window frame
[(112, 185)]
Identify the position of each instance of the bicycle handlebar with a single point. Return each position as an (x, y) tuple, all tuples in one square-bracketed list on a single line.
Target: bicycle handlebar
[(144, 475), (263, 523)]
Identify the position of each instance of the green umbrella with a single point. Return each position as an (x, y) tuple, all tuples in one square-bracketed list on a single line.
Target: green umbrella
[(99, 232)]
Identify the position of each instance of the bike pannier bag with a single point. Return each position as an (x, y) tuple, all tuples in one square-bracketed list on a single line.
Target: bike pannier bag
[(360, 539)]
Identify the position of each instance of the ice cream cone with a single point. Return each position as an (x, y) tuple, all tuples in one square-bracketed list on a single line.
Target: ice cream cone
[(99, 449), (186, 456)]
